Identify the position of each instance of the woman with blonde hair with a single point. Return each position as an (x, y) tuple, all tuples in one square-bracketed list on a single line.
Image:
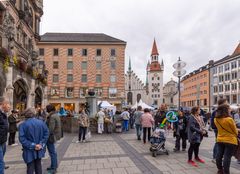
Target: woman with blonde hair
[(226, 138)]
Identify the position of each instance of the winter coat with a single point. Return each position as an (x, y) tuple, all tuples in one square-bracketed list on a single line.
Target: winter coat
[(137, 117), (83, 120), (159, 117), (180, 126), (31, 132), (3, 127), (194, 131), (54, 126), (147, 120), (12, 120)]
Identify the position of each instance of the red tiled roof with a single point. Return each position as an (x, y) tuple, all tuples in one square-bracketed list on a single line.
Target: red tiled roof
[(155, 66), (154, 49), (237, 51)]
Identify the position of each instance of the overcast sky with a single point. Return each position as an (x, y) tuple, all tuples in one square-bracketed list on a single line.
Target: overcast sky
[(197, 31)]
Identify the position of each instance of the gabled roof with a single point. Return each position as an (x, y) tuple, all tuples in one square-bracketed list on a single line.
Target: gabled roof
[(236, 51), (79, 37), (154, 49)]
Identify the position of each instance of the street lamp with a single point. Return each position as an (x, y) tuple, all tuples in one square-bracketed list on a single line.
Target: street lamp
[(179, 72)]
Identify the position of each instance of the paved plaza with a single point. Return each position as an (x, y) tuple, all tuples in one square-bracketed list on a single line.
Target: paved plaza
[(118, 154)]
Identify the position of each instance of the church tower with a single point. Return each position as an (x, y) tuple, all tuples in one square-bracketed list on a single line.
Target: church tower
[(155, 78)]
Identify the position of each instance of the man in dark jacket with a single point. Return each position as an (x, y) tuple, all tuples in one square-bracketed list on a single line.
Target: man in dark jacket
[(33, 135), (4, 109), (54, 126), (160, 115), (12, 120)]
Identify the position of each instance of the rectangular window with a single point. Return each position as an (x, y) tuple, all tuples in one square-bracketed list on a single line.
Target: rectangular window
[(215, 70), (55, 52), (69, 92), (234, 98), (227, 87), (55, 65), (215, 100), (83, 92), (113, 64), (113, 52), (98, 92), (98, 78), (98, 52), (234, 65), (69, 65), (98, 65), (41, 51), (113, 78), (220, 69), (69, 78), (234, 86), (205, 102), (70, 52), (227, 77), (84, 52), (84, 78), (55, 78), (41, 64), (221, 78), (112, 92), (228, 98), (220, 88), (234, 75), (84, 65), (227, 67)]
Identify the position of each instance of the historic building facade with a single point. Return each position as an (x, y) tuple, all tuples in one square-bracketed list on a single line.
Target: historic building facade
[(78, 63), (22, 80), (196, 90), (170, 94), (225, 78), (152, 92)]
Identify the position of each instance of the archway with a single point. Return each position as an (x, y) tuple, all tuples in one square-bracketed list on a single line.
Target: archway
[(38, 96), (129, 98), (20, 94)]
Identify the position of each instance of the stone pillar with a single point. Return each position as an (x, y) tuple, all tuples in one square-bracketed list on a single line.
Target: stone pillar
[(77, 107), (44, 97), (31, 95), (92, 102), (9, 85)]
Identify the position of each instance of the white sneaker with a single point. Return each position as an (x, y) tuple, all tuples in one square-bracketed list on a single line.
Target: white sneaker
[(77, 141), (15, 144), (84, 141), (214, 161)]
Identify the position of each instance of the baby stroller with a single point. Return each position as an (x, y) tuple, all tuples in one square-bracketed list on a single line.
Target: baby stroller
[(118, 127), (157, 141)]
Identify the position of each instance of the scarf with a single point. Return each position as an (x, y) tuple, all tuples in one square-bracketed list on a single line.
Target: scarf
[(200, 121)]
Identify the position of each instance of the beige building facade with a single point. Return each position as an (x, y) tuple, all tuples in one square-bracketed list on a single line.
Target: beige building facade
[(170, 94), (78, 63)]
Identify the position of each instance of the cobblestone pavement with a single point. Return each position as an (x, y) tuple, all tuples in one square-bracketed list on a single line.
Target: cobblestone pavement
[(118, 154)]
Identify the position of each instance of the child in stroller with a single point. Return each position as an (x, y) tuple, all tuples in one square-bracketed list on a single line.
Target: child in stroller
[(157, 141)]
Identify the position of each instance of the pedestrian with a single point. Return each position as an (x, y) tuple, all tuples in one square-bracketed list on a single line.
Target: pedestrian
[(226, 138), (100, 120), (180, 132), (196, 132), (4, 109), (12, 120), (41, 113), (160, 115), (54, 127), (137, 117), (83, 122), (214, 128), (147, 123), (125, 116), (33, 135)]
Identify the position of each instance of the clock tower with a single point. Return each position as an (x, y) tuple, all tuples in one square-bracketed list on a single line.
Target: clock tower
[(155, 78)]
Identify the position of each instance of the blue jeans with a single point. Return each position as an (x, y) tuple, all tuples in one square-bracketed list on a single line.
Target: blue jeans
[(53, 155), (125, 125), (138, 130), (2, 153), (215, 149)]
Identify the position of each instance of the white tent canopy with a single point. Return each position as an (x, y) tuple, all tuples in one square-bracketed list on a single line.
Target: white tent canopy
[(107, 105), (141, 103)]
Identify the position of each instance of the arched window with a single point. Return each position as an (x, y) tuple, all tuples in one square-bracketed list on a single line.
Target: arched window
[(139, 97), (129, 98)]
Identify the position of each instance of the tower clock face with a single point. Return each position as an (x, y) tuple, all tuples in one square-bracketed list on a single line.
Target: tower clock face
[(155, 87), (155, 75)]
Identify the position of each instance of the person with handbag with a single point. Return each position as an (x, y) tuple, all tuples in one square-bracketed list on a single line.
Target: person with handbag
[(83, 121), (226, 139), (196, 132)]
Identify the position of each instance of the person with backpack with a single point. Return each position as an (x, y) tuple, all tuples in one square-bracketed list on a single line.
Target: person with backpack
[(125, 116), (54, 126)]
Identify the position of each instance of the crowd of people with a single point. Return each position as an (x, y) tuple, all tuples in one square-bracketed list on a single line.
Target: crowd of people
[(41, 128)]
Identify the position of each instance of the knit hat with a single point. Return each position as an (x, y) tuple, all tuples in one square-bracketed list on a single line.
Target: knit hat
[(28, 113)]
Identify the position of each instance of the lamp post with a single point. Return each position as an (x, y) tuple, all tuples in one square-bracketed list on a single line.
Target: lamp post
[(179, 72)]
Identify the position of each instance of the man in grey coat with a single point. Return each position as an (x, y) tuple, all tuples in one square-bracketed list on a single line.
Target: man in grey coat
[(54, 126), (137, 116)]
